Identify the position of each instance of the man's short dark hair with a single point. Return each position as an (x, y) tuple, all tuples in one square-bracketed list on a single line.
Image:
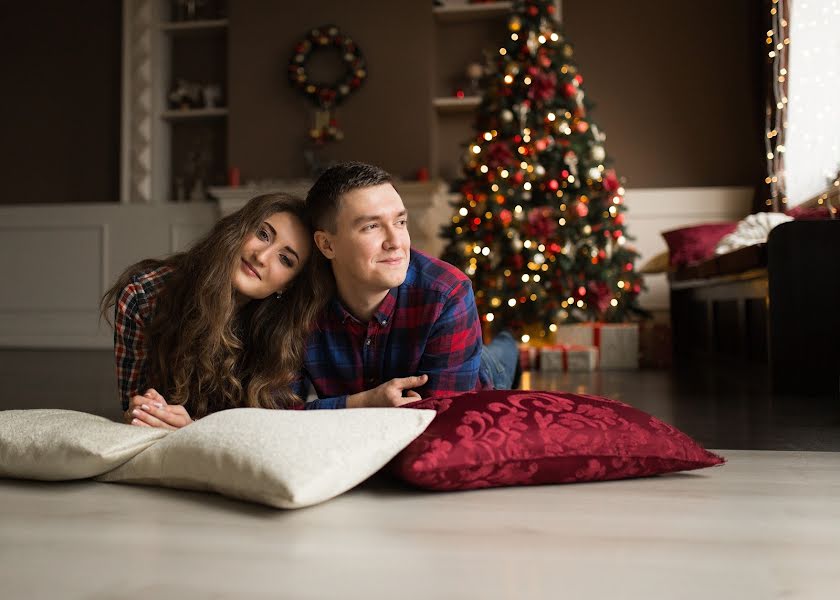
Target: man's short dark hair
[(325, 195)]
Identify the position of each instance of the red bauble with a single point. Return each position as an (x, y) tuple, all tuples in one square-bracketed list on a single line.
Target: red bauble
[(533, 11), (553, 185), (581, 209), (569, 90), (619, 219), (582, 126), (610, 181)]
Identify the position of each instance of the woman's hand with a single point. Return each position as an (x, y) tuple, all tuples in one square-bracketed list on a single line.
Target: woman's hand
[(151, 410), (391, 393)]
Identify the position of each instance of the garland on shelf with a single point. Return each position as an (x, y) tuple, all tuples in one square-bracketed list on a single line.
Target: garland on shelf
[(326, 96)]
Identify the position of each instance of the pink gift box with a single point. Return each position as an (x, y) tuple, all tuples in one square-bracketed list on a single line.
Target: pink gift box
[(568, 358)]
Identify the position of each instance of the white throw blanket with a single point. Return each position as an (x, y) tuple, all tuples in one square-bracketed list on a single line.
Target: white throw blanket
[(750, 231)]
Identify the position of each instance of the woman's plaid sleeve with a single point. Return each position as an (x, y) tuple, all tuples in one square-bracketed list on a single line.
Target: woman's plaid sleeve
[(131, 313)]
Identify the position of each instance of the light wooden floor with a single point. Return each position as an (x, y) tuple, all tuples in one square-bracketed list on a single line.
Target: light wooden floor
[(767, 525)]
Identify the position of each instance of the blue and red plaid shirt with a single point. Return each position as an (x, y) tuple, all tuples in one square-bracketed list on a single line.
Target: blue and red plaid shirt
[(429, 324)]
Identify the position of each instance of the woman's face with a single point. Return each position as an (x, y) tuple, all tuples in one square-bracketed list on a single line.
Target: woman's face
[(271, 257)]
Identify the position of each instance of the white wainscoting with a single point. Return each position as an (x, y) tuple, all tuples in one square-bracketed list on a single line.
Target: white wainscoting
[(56, 261)]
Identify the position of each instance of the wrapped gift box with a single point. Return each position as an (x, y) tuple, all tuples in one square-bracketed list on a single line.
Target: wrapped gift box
[(529, 358), (568, 358), (617, 343)]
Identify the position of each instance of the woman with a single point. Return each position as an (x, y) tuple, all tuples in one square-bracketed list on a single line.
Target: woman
[(222, 325)]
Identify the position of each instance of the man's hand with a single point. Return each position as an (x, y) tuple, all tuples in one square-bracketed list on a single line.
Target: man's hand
[(392, 393), (151, 410)]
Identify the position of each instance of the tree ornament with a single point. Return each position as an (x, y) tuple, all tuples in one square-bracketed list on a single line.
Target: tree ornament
[(571, 159), (597, 152)]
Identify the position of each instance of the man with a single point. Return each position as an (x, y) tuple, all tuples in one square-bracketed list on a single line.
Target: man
[(402, 325)]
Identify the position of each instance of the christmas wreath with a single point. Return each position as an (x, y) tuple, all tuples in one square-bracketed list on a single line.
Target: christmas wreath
[(327, 95)]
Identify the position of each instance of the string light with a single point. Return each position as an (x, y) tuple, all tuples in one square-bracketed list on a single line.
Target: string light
[(775, 119)]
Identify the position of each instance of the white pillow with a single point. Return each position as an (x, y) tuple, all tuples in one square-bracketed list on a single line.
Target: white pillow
[(54, 444), (283, 458)]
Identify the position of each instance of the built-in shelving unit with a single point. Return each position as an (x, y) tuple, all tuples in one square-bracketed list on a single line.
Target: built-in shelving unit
[(464, 35), (192, 140)]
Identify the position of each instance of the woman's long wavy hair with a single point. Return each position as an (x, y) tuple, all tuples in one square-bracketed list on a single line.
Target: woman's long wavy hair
[(204, 354)]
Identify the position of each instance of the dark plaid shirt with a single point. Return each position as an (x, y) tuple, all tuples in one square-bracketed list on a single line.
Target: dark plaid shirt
[(429, 324), (132, 312)]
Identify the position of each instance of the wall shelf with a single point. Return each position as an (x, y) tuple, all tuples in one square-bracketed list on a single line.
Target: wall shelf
[(470, 12), (194, 113), (453, 104), (188, 27)]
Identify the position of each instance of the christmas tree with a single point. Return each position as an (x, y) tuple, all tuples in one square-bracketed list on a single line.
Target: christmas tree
[(539, 223)]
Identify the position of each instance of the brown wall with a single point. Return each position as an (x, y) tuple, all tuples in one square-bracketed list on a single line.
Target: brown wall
[(60, 106), (676, 87), (385, 122), (677, 91)]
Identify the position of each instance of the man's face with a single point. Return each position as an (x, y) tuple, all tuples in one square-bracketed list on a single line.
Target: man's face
[(370, 248)]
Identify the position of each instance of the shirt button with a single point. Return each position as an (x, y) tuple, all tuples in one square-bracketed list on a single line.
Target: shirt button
[(367, 342), (384, 321)]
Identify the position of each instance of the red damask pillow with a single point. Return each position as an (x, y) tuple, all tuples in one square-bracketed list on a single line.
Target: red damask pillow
[(514, 437), (694, 244)]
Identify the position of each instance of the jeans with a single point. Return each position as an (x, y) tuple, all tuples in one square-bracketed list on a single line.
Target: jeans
[(499, 361)]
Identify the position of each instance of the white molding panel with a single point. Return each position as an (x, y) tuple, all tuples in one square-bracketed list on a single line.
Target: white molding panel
[(57, 261)]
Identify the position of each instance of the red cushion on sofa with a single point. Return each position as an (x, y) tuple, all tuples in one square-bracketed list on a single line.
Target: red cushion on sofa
[(697, 243), (515, 437)]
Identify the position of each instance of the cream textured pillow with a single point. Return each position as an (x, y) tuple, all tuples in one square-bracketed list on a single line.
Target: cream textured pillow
[(283, 458), (54, 444)]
